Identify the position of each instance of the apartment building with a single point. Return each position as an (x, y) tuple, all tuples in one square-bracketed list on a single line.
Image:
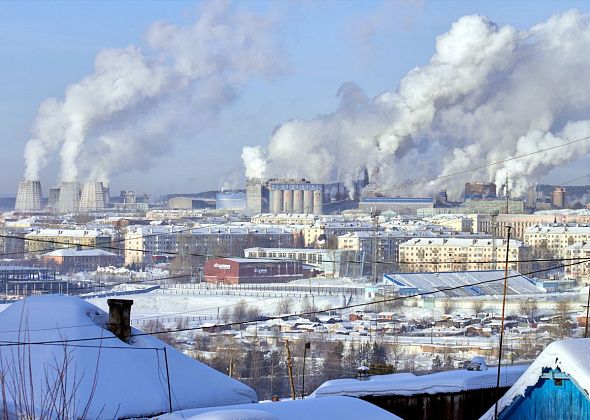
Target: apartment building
[(50, 239), (555, 238), (461, 254), (577, 268)]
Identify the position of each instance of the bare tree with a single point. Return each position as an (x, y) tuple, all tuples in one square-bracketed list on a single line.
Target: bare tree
[(528, 308), (563, 320), (448, 306), (478, 306), (285, 306)]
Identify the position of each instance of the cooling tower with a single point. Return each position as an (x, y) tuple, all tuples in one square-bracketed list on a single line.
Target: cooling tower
[(69, 197), (28, 196), (92, 197)]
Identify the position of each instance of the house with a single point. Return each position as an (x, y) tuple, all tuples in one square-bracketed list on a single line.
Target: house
[(104, 366), (555, 386), (452, 394)]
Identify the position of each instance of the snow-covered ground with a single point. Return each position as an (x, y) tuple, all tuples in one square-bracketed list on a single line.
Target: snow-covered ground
[(341, 408)]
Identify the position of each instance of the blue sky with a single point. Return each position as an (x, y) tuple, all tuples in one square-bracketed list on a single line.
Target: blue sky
[(45, 46)]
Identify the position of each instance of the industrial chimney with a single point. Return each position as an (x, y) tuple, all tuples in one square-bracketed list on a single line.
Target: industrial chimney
[(120, 318)]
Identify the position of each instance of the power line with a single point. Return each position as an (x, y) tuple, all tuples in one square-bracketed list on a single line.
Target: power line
[(487, 165), (300, 314), (286, 250)]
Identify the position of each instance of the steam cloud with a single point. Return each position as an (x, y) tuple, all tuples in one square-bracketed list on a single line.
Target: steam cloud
[(487, 94), (135, 103)]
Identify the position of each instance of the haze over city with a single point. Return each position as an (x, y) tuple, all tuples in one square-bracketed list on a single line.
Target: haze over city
[(293, 210), (181, 124)]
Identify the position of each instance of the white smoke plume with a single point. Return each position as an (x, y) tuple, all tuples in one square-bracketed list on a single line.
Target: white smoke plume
[(254, 161), (487, 94), (137, 101)]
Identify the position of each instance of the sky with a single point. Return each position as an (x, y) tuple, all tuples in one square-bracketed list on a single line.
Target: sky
[(46, 46)]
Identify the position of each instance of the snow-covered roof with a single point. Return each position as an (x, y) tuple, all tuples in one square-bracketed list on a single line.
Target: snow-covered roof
[(73, 252), (77, 233), (410, 384), (571, 356), (476, 283), (340, 408), (559, 229), (460, 242), (130, 378)]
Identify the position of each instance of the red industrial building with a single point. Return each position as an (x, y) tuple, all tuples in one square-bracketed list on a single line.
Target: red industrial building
[(248, 270)]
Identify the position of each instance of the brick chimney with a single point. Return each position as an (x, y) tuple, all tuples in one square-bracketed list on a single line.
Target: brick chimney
[(120, 318)]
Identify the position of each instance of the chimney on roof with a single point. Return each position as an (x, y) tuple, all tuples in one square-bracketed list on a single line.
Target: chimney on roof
[(120, 318)]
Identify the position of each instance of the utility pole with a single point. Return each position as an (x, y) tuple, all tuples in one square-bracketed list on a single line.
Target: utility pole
[(307, 347), (290, 370), (587, 310), (375, 215), (494, 215), (502, 322)]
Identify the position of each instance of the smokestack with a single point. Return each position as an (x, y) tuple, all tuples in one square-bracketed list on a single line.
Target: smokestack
[(120, 318), (69, 197), (92, 197), (28, 196)]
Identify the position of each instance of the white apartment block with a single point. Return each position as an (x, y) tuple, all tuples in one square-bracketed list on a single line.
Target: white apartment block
[(556, 238), (577, 268), (461, 254)]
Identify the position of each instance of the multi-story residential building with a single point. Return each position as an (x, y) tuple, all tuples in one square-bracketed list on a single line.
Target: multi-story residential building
[(578, 262), (144, 243), (555, 238), (284, 219), (386, 242), (51, 239), (461, 254), (521, 222), (328, 229)]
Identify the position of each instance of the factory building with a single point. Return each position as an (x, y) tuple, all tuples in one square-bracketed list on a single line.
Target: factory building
[(257, 196), (480, 190), (399, 205), (28, 197), (245, 270), (558, 197), (230, 200), (332, 262), (296, 196)]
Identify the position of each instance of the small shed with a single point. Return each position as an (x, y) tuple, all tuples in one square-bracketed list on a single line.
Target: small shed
[(555, 386)]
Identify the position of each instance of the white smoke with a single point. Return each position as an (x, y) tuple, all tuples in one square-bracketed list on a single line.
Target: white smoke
[(487, 94), (137, 101), (253, 158)]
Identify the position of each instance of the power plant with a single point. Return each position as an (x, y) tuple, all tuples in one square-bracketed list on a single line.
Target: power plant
[(69, 197), (92, 197), (28, 197)]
